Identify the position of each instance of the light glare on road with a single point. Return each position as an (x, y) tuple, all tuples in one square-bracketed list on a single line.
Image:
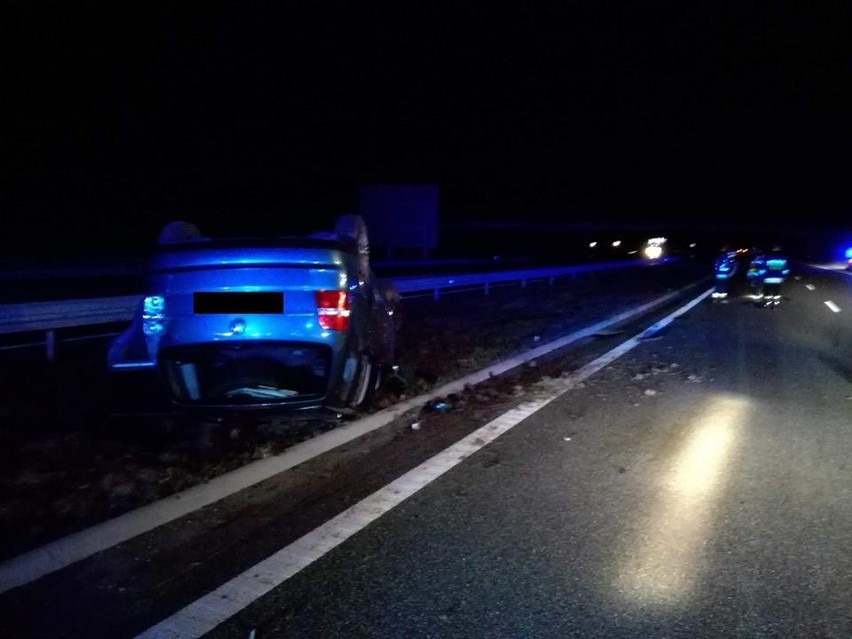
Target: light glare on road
[(663, 564)]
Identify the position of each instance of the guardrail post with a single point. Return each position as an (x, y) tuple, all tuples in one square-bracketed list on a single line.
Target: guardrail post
[(436, 294), (551, 280), (487, 287), (50, 345), (523, 283)]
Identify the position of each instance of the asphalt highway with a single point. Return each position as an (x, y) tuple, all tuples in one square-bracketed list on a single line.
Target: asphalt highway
[(685, 475)]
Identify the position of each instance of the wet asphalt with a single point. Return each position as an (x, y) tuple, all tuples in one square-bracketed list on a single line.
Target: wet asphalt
[(697, 487)]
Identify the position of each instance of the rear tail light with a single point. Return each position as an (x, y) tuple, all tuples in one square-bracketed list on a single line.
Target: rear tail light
[(153, 313), (333, 310)]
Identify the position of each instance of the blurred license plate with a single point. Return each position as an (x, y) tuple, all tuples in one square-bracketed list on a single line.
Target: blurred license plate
[(242, 303)]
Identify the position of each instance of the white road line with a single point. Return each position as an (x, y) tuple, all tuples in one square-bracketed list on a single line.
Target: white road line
[(63, 552), (214, 608), (810, 287), (832, 266), (834, 307)]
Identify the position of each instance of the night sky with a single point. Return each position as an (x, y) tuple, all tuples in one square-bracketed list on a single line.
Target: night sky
[(264, 117)]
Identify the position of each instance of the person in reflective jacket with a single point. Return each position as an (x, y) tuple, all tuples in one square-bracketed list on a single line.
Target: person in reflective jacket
[(724, 269), (756, 272), (776, 268)]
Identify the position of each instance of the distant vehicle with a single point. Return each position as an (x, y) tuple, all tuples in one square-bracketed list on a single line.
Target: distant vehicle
[(654, 248), (295, 323)]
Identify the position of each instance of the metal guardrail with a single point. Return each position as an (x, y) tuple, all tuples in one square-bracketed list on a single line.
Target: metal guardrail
[(50, 316), (41, 316), (435, 284)]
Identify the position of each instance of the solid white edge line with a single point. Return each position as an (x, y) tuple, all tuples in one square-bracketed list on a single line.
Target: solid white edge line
[(834, 307), (75, 547), (212, 609)]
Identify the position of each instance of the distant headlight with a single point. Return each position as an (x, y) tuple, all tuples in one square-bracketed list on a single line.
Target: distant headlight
[(653, 251)]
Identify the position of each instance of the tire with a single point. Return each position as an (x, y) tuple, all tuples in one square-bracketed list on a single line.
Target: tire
[(353, 228), (179, 231), (367, 380)]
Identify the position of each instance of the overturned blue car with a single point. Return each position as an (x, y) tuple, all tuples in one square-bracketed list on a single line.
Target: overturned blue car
[(296, 323)]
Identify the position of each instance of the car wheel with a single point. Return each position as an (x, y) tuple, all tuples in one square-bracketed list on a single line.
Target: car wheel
[(367, 380), (353, 228)]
